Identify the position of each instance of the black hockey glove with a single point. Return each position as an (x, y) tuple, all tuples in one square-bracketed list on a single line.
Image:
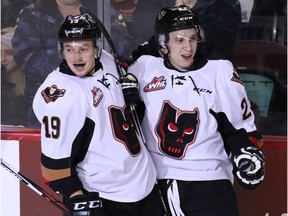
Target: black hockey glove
[(86, 205), (250, 167), (129, 85), (249, 160)]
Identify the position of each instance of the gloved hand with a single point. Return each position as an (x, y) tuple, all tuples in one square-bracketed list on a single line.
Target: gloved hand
[(85, 205), (250, 167), (129, 85)]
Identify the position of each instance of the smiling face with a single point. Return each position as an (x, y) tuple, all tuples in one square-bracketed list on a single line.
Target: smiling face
[(80, 56), (182, 47)]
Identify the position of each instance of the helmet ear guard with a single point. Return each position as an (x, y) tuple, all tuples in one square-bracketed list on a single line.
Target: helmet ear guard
[(162, 40), (201, 33)]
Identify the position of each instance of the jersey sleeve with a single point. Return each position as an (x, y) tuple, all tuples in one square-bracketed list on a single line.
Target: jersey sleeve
[(61, 109), (138, 66), (234, 100)]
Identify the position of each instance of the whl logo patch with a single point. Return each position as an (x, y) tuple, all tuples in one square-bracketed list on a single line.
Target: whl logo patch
[(157, 83)]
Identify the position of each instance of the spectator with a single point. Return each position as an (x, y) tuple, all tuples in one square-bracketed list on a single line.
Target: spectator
[(267, 21), (10, 10), (13, 108), (220, 20), (119, 32), (36, 43), (125, 8), (198, 124)]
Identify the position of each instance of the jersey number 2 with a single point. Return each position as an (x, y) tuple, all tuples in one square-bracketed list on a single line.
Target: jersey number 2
[(247, 113)]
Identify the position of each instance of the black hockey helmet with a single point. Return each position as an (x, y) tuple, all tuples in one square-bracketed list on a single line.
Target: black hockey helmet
[(171, 19), (79, 27)]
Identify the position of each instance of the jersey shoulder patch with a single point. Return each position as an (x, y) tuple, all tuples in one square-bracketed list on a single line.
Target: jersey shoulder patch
[(52, 93), (236, 78)]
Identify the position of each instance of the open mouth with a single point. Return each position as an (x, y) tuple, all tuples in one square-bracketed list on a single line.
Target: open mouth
[(79, 65), (187, 56)]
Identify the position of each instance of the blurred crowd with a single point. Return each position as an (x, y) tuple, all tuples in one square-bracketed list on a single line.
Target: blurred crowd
[(32, 42)]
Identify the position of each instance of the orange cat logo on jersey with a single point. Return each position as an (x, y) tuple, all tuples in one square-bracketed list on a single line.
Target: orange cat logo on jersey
[(52, 93), (158, 83)]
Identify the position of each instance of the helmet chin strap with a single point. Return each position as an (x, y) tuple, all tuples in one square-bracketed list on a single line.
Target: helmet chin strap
[(97, 61), (164, 51), (92, 71)]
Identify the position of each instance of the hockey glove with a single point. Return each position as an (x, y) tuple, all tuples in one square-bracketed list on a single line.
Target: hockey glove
[(250, 167), (85, 205), (129, 85)]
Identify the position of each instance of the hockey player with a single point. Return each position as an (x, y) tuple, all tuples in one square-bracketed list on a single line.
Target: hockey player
[(90, 152), (198, 124)]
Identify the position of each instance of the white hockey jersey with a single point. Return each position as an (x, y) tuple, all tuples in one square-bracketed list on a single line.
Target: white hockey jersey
[(180, 132), (84, 124)]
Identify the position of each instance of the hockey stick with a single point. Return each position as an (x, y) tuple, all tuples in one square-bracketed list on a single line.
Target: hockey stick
[(37, 189), (108, 38), (133, 112)]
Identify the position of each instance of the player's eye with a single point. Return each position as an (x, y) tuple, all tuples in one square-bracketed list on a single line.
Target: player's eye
[(68, 50), (194, 38), (179, 40)]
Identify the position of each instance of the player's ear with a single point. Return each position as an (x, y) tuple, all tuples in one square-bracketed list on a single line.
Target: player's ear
[(163, 49)]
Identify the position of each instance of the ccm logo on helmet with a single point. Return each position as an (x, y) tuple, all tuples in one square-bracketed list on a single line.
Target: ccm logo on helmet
[(73, 31), (87, 205), (186, 18)]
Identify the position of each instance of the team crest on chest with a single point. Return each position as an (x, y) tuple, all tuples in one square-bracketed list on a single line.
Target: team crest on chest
[(123, 130), (157, 83), (52, 93), (176, 130), (97, 96)]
